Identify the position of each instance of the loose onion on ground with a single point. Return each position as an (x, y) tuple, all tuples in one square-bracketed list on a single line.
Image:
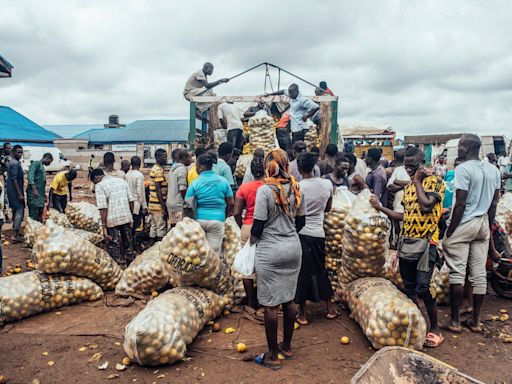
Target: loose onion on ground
[(33, 292), (386, 316), (160, 333), (57, 250)]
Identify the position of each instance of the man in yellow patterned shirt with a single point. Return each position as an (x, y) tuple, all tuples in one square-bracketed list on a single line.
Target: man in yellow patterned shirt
[(417, 247), (157, 197)]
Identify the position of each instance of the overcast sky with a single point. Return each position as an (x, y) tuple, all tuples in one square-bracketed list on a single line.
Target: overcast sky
[(420, 66)]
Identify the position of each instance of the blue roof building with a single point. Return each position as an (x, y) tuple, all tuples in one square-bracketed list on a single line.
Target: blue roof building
[(17, 129)]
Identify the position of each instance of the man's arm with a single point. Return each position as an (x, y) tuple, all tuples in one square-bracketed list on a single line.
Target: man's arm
[(70, 188), (208, 85), (427, 202), (19, 190), (458, 211), (158, 188), (230, 204), (379, 187), (397, 185), (31, 180), (276, 93), (141, 194), (50, 199), (375, 202), (312, 109), (239, 208)]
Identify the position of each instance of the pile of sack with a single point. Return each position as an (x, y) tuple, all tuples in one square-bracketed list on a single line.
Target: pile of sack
[(261, 128)]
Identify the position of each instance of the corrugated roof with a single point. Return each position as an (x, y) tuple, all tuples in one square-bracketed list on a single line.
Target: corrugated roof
[(140, 131), (14, 127), (70, 130)]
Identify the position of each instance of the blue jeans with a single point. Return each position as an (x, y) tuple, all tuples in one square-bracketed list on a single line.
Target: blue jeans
[(17, 218)]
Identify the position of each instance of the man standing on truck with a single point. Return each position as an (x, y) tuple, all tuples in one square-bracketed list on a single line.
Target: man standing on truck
[(36, 187), (231, 119), (198, 83), (61, 186), (301, 109), (468, 238)]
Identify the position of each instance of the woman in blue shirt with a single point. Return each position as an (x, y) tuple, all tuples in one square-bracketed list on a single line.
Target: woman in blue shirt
[(212, 197)]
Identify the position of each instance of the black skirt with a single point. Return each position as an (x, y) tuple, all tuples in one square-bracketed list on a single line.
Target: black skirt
[(313, 283)]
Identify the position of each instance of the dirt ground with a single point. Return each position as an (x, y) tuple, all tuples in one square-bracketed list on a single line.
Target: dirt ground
[(27, 346)]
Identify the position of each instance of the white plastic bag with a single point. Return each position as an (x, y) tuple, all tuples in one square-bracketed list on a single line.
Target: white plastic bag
[(244, 260)]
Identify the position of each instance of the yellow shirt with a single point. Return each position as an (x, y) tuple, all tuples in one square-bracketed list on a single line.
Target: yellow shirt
[(192, 174), (60, 184), (417, 223), (157, 175)]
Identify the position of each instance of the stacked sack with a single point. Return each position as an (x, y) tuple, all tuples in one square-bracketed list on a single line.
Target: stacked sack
[(189, 259), (34, 292), (57, 250), (312, 138), (393, 271), (334, 223), (365, 241), (58, 218), (261, 127), (144, 275), (160, 333), (231, 245), (243, 162), (84, 216), (386, 316)]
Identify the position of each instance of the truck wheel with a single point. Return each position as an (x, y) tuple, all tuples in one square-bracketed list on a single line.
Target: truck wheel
[(502, 287)]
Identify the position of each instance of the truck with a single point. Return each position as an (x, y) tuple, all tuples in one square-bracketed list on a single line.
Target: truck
[(498, 145), (33, 153)]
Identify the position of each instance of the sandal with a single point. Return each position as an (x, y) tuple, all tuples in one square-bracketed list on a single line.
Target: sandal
[(451, 328), (473, 328), (302, 322), (288, 355), (466, 311), (433, 341), (332, 316), (264, 362)]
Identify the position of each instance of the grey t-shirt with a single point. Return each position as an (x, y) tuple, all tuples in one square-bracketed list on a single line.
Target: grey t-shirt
[(481, 180), (316, 194)]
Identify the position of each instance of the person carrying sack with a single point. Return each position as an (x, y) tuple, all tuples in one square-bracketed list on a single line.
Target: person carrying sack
[(417, 246)]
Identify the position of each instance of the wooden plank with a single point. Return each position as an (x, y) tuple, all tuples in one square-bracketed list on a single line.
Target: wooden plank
[(239, 99)]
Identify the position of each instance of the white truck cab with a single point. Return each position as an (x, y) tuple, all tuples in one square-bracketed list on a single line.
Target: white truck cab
[(30, 154), (498, 145)]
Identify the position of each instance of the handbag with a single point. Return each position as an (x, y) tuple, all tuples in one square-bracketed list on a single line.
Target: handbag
[(415, 249)]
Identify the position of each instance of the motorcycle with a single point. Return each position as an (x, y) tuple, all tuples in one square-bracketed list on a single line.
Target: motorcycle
[(499, 273)]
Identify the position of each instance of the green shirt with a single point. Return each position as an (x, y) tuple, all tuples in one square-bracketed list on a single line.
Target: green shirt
[(508, 182), (37, 176)]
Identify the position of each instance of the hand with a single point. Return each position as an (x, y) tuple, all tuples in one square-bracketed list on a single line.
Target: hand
[(224, 80), (305, 118), (420, 174), (166, 215), (21, 198), (145, 212), (375, 202), (70, 198), (35, 194), (106, 237), (494, 254)]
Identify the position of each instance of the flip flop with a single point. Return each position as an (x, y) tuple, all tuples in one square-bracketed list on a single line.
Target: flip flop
[(302, 322), (271, 364), (330, 316), (451, 328), (466, 311), (433, 341), (471, 327), (288, 355)]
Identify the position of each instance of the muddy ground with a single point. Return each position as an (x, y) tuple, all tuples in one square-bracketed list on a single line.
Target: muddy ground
[(27, 346)]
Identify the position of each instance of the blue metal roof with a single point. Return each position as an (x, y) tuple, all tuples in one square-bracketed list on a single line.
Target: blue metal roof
[(14, 127), (70, 130), (141, 131)]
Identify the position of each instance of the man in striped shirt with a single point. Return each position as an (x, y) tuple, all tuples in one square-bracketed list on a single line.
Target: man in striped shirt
[(157, 197)]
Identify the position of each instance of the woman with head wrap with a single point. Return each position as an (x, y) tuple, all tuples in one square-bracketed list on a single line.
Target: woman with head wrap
[(211, 198), (278, 216)]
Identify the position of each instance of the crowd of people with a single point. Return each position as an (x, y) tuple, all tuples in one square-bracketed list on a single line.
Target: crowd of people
[(280, 205)]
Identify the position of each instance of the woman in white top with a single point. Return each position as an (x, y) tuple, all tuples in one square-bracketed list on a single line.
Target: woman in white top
[(313, 283)]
